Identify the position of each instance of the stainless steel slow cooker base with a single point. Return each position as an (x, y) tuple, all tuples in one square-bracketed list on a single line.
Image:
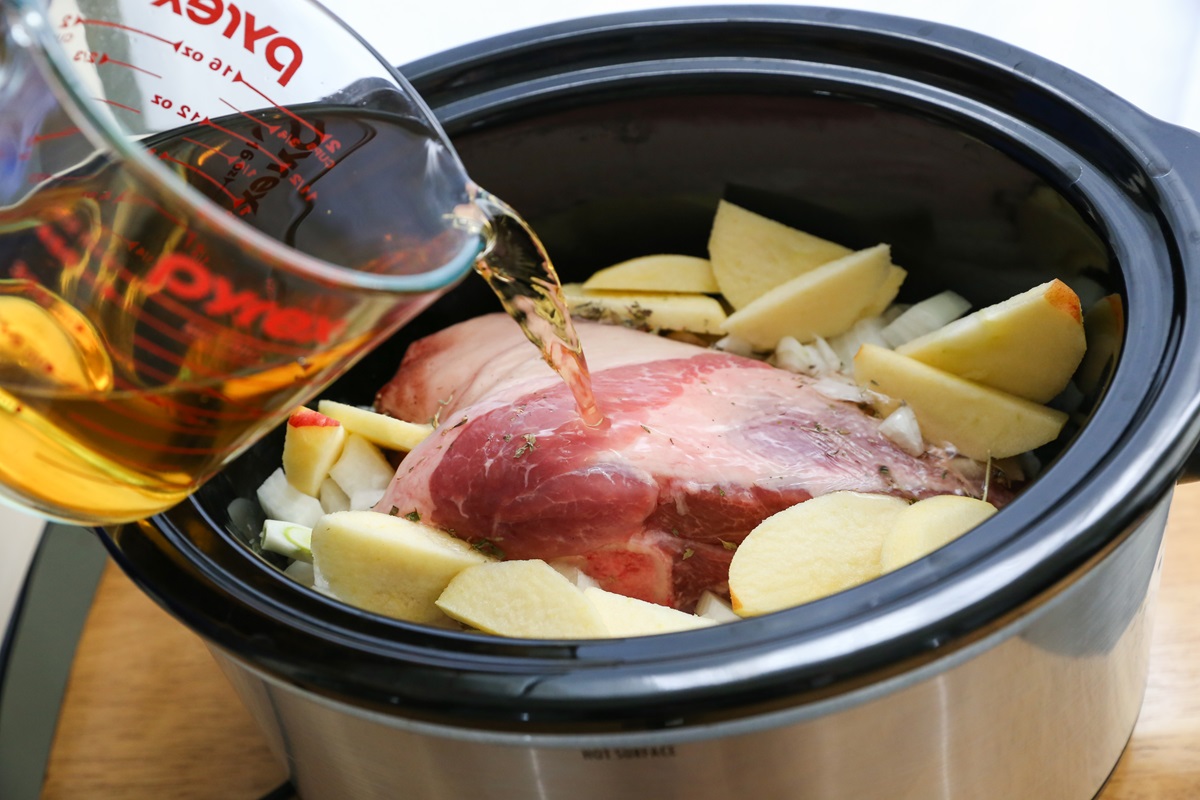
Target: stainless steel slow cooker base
[(1040, 708)]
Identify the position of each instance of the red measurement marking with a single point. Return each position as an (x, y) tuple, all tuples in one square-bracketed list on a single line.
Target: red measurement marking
[(138, 199), (237, 201), (238, 78), (272, 128), (167, 379), (43, 137), (214, 151), (118, 105), (249, 142), (191, 424), (107, 24), (85, 421), (106, 59)]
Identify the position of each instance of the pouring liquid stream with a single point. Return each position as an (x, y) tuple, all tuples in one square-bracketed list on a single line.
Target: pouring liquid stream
[(517, 268)]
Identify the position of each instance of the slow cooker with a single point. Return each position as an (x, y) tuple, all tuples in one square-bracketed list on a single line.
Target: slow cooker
[(1009, 664)]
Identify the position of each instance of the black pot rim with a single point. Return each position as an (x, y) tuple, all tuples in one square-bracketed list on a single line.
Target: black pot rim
[(1118, 468)]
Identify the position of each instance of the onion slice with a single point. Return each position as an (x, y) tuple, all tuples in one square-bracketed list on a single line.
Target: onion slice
[(925, 317)]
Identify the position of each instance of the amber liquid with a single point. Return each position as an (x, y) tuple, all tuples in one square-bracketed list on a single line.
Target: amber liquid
[(117, 399), (515, 264)]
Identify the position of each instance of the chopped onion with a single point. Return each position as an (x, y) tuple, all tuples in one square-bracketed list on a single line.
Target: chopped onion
[(832, 364), (732, 344), (804, 359), (838, 389), (882, 404), (902, 429), (894, 310), (865, 331), (302, 573), (1069, 399), (715, 608), (925, 317)]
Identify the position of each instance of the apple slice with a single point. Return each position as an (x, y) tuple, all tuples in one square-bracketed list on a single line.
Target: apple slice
[(887, 292), (752, 254), (528, 599), (1028, 345), (929, 524), (361, 466), (390, 565), (280, 500), (658, 273), (697, 313), (379, 429), (311, 445), (811, 550), (822, 302), (628, 616), (977, 420)]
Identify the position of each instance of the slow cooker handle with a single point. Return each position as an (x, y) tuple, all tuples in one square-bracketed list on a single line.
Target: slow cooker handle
[(1181, 148)]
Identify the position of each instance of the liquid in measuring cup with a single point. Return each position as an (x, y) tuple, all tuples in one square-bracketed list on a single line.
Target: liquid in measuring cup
[(133, 360)]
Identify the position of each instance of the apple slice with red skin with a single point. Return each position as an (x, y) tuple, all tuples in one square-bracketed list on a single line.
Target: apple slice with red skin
[(311, 447)]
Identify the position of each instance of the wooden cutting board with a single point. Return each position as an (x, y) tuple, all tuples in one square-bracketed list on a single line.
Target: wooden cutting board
[(148, 715)]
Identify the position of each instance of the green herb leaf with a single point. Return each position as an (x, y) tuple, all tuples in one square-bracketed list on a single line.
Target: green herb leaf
[(413, 516), (488, 548)]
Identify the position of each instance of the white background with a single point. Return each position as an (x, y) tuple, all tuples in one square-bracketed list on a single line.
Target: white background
[(1147, 51)]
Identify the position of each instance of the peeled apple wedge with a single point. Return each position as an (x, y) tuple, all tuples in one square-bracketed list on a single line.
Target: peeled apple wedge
[(977, 420), (390, 565), (658, 273), (379, 429), (697, 313), (811, 550), (751, 254), (312, 444), (929, 524), (628, 616), (1028, 345), (886, 293), (527, 599), (824, 301)]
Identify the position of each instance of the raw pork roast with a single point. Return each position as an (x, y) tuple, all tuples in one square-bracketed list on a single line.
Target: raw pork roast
[(696, 449)]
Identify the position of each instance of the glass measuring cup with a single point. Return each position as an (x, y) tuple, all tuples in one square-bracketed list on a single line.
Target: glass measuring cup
[(208, 210)]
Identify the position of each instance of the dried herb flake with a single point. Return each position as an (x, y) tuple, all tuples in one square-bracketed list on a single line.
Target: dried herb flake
[(530, 444), (412, 516), (488, 548)]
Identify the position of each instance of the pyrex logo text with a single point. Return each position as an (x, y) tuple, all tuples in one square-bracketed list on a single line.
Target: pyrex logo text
[(189, 281), (209, 12)]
